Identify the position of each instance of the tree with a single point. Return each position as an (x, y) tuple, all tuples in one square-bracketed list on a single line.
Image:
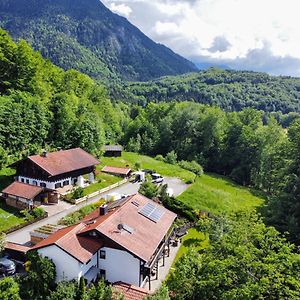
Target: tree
[(161, 294), (39, 280), (64, 290), (246, 260), (102, 291), (149, 189), (171, 158), (9, 289)]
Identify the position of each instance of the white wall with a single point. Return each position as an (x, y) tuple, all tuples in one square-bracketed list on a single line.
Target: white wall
[(120, 266), (67, 267), (49, 185)]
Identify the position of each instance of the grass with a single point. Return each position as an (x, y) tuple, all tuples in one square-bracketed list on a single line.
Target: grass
[(216, 194), (9, 217), (104, 181), (130, 158), (196, 239)]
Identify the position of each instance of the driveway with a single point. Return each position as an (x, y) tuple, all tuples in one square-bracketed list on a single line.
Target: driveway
[(22, 235)]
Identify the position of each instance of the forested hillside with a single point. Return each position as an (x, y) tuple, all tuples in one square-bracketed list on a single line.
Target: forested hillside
[(43, 106), (40, 105), (85, 35), (230, 90)]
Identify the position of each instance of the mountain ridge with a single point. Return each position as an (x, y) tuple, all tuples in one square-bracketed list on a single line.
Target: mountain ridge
[(71, 33)]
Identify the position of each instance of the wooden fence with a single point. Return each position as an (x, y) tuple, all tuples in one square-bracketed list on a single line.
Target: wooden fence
[(87, 197)]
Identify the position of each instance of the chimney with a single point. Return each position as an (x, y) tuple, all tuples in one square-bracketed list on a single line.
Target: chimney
[(44, 153), (103, 209)]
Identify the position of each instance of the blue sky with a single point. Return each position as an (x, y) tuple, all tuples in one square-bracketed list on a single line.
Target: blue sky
[(259, 35)]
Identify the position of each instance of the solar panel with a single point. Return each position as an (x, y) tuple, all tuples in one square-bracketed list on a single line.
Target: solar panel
[(152, 212)]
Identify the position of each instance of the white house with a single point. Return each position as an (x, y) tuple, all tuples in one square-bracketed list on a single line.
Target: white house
[(56, 169), (121, 241)]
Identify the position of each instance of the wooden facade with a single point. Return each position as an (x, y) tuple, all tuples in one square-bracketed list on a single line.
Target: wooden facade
[(28, 168)]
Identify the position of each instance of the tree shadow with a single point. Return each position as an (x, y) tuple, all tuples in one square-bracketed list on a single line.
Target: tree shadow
[(193, 242)]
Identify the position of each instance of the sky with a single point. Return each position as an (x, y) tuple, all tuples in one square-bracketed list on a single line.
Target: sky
[(258, 35)]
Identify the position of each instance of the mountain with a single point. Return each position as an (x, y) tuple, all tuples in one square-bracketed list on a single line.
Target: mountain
[(87, 36), (228, 89)]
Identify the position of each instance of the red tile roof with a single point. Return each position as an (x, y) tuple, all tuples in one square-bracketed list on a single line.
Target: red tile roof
[(115, 170), (130, 292), (64, 161), (142, 242), (16, 247), (80, 247), (146, 235), (23, 190)]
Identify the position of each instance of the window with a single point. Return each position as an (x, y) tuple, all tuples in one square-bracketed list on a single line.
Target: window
[(102, 254), (66, 182), (22, 180), (27, 181), (34, 182), (102, 273), (42, 184), (57, 185)]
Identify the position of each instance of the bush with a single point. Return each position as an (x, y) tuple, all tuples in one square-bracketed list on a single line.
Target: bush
[(192, 166), (171, 158), (159, 157), (137, 165), (149, 189), (38, 212), (27, 215), (76, 216), (180, 208), (78, 193)]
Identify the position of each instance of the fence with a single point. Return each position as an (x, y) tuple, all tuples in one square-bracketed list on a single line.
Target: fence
[(87, 197)]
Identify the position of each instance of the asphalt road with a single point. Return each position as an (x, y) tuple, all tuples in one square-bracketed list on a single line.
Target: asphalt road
[(22, 236)]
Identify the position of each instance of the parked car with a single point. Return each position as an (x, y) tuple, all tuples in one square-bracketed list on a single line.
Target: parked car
[(7, 266), (157, 178)]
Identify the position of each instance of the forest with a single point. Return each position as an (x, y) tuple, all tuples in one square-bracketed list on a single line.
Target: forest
[(231, 90), (45, 107)]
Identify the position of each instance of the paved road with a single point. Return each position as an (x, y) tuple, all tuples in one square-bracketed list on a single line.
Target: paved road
[(23, 235)]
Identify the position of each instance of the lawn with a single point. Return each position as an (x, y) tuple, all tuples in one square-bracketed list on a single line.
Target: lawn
[(130, 158), (104, 181), (216, 194), (9, 216), (194, 239)]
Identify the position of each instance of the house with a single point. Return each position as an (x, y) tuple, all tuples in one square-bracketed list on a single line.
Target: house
[(26, 196), (123, 172), (56, 169), (112, 150), (121, 241)]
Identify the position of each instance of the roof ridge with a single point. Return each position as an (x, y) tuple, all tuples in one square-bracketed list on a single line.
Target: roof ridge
[(71, 231)]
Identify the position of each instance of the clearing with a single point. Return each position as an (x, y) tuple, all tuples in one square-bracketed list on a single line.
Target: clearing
[(130, 158), (217, 194)]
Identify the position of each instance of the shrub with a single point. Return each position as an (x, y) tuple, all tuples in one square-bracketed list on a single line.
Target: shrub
[(27, 215), (159, 157), (192, 166), (137, 165), (78, 193), (149, 189), (38, 212), (171, 158)]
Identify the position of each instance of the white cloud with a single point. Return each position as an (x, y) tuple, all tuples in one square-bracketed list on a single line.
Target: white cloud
[(121, 9), (221, 31)]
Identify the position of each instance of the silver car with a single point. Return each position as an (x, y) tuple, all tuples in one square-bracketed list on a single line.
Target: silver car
[(7, 266)]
